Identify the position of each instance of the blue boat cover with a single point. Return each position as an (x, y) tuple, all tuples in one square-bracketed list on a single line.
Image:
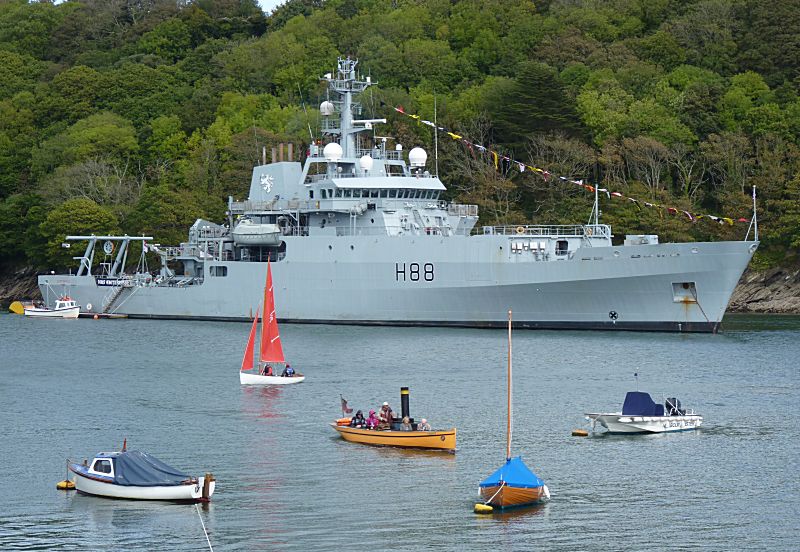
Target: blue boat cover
[(515, 473), (139, 469), (638, 403)]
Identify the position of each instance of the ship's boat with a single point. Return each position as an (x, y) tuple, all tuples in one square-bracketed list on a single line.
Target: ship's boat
[(137, 475), (640, 414), (361, 232), (65, 307), (248, 233)]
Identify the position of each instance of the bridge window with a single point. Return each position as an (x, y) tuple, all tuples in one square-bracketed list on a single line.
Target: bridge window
[(324, 193), (374, 193), (384, 193), (392, 194), (311, 194), (338, 192), (562, 247), (364, 193), (348, 193)]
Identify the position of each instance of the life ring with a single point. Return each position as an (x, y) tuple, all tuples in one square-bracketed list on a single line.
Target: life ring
[(588, 231), (520, 230), (343, 421)]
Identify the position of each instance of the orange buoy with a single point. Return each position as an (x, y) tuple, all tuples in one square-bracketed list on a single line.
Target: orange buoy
[(580, 433)]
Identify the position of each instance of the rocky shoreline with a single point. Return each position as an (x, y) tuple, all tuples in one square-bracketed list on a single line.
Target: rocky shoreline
[(773, 291)]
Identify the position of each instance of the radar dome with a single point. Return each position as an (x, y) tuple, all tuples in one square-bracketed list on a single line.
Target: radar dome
[(332, 152), (417, 157), (365, 162), (326, 108)]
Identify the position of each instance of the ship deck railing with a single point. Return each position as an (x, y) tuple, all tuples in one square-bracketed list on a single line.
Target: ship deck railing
[(338, 204), (550, 231)]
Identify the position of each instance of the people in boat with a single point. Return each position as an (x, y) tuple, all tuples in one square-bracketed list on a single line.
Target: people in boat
[(372, 421), (423, 425), (268, 370), (385, 416), (358, 420), (406, 424), (288, 372)]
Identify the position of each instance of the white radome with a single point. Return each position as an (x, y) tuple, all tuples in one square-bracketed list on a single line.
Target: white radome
[(332, 152), (326, 108), (417, 157), (365, 162)]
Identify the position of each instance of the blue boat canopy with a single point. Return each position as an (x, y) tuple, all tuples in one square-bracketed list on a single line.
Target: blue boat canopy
[(515, 473), (139, 469), (639, 403)]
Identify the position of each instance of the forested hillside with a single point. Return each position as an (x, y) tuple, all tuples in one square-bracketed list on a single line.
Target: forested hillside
[(143, 115)]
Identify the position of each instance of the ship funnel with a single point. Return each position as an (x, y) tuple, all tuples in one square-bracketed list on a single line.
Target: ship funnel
[(332, 152), (404, 411), (326, 108), (417, 157)]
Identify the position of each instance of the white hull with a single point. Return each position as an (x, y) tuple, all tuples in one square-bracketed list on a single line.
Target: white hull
[(175, 492), (71, 312), (617, 423), (247, 378)]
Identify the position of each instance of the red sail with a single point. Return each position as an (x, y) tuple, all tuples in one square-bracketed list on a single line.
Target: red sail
[(247, 361), (271, 349)]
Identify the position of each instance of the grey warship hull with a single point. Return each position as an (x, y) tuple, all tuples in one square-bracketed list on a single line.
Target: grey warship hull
[(360, 234), (426, 281)]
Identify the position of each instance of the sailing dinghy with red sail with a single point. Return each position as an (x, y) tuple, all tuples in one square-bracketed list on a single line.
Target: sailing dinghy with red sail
[(270, 353)]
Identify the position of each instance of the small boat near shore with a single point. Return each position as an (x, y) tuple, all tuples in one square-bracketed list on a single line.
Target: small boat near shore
[(136, 475), (394, 436), (640, 414), (65, 307), (270, 350)]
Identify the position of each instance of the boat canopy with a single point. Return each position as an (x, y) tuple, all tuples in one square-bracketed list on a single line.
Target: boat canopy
[(515, 474), (139, 469), (639, 403)]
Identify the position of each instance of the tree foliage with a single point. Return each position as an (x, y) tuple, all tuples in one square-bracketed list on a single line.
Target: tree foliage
[(146, 114)]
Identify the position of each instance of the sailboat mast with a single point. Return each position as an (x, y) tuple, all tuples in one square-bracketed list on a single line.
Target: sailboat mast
[(508, 427)]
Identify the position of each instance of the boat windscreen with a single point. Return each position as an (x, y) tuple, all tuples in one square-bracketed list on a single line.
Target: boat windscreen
[(136, 468)]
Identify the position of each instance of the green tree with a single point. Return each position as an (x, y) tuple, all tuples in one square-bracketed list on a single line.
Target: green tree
[(74, 217)]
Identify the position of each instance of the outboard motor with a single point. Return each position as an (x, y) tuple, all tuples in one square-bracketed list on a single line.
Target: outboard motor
[(673, 407)]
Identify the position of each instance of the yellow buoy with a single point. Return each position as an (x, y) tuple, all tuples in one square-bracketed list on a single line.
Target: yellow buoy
[(483, 508), (580, 433), (17, 308), (65, 485)]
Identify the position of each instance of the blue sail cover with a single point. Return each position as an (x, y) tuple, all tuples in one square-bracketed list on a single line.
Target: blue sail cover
[(139, 469), (638, 403), (515, 473)]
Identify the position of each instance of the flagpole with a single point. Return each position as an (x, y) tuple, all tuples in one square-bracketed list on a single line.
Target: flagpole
[(508, 427)]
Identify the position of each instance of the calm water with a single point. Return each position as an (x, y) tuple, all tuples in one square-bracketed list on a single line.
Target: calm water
[(287, 482)]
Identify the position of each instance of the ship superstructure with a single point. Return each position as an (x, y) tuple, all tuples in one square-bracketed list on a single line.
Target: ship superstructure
[(357, 234)]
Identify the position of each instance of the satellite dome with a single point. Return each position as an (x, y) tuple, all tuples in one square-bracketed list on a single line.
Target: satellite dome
[(332, 152), (326, 108), (365, 162), (417, 157)]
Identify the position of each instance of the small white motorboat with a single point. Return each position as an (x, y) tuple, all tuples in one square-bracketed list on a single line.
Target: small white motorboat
[(65, 307), (138, 476), (640, 414)]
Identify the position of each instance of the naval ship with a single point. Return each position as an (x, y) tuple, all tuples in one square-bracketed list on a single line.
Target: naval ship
[(360, 234)]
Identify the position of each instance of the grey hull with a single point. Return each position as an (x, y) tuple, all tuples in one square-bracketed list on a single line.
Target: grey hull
[(471, 282)]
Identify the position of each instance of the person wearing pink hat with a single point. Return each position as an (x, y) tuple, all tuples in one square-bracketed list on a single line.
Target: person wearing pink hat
[(372, 420)]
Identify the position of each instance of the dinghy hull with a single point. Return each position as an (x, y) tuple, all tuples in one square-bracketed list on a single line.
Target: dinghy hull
[(257, 379), (431, 440), (97, 486), (507, 496)]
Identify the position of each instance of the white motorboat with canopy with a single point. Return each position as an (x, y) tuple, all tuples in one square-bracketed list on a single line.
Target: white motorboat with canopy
[(137, 475), (65, 307), (270, 350), (640, 414)]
